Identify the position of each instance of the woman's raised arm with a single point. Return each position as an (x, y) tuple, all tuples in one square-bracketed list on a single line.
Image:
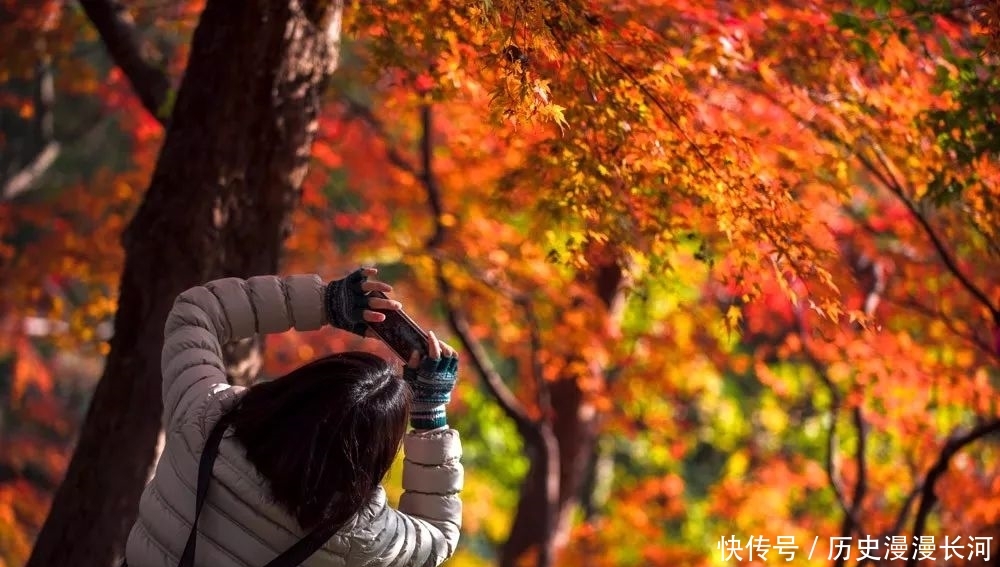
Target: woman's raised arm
[(425, 530), (208, 316)]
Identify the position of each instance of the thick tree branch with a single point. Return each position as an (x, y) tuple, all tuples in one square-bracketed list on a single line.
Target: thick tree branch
[(551, 472), (121, 38), (928, 498)]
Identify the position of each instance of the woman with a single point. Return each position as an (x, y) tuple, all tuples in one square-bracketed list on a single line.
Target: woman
[(300, 459)]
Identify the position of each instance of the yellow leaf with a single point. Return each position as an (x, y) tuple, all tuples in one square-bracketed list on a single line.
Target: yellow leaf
[(733, 315)]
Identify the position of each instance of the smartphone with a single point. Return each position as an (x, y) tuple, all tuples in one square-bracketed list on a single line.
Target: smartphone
[(400, 332)]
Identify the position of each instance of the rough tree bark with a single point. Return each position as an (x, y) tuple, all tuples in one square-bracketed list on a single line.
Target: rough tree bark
[(575, 424), (218, 204)]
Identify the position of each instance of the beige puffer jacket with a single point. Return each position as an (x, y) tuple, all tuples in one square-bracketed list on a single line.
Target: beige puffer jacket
[(239, 525)]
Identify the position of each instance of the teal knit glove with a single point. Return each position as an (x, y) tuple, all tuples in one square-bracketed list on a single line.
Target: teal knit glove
[(345, 303), (431, 383)]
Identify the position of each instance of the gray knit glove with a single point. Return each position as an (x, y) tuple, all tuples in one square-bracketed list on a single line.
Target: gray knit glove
[(431, 383), (345, 303)]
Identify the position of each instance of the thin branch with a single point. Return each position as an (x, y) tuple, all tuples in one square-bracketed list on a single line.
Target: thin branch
[(495, 384), (904, 512), (45, 95), (524, 302), (861, 484), (911, 303), (539, 432), (25, 179), (991, 243), (886, 178), (831, 440), (669, 116), (480, 359), (430, 181), (873, 296), (121, 38), (928, 498), (48, 148), (897, 189), (851, 521), (355, 109), (544, 395)]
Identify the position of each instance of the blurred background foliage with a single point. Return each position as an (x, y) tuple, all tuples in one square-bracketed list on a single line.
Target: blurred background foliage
[(740, 259)]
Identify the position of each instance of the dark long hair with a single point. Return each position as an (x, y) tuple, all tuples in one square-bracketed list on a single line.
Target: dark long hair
[(324, 435)]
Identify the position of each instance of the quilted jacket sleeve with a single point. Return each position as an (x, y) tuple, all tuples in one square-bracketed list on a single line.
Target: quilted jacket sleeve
[(424, 531), (205, 317)]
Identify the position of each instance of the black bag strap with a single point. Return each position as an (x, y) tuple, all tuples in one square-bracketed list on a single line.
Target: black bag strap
[(292, 557), (205, 466)]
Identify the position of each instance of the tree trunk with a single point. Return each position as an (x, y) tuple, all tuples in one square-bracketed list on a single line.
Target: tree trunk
[(575, 436), (575, 427), (228, 175)]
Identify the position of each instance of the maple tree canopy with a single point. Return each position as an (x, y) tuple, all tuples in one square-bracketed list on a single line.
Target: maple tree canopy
[(716, 269)]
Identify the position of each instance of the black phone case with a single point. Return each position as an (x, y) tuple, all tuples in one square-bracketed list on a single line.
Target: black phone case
[(400, 332)]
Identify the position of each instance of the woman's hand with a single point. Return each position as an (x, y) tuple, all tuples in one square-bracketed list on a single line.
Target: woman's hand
[(436, 349), (369, 285), (432, 381), (348, 306)]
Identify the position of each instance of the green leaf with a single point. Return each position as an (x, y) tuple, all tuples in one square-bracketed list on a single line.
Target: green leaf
[(865, 50), (846, 21)]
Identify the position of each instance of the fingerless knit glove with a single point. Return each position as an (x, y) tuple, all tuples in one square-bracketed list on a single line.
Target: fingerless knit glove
[(431, 382), (345, 303)]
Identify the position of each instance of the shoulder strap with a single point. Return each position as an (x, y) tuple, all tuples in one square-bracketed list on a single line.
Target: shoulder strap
[(292, 557), (295, 555), (205, 465)]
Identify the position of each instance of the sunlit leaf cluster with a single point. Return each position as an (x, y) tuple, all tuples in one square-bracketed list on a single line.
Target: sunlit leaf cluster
[(801, 199)]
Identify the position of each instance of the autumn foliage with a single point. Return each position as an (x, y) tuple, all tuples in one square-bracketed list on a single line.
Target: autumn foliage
[(719, 269)]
